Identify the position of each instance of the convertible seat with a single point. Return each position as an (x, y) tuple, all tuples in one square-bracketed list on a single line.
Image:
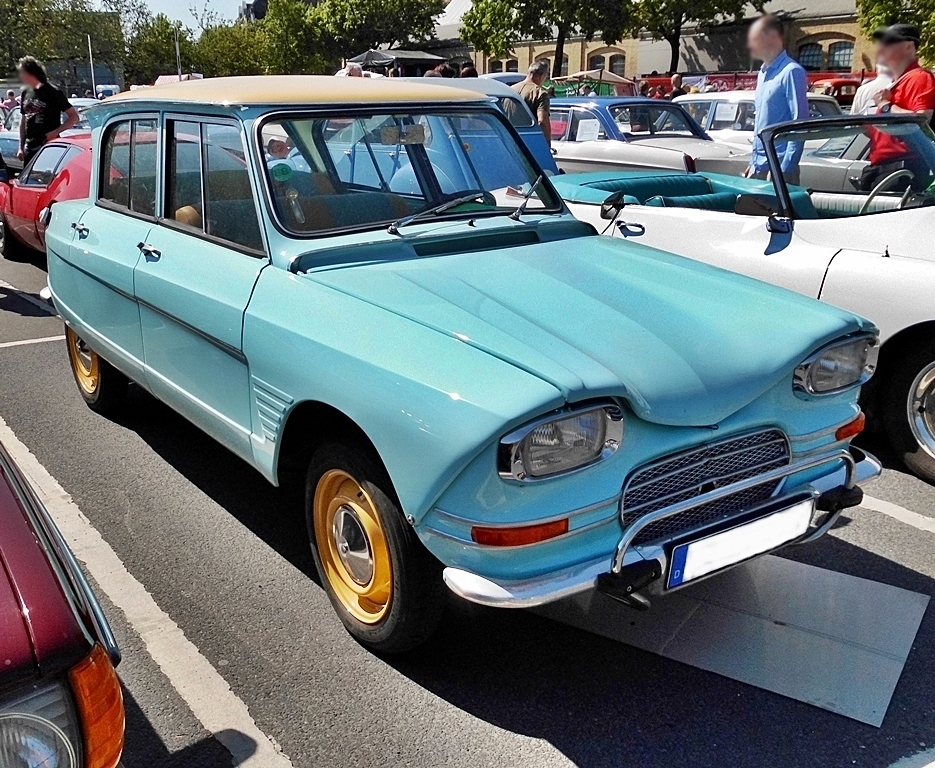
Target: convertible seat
[(714, 201)]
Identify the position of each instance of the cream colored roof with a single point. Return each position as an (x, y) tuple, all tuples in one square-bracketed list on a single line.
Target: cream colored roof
[(297, 89)]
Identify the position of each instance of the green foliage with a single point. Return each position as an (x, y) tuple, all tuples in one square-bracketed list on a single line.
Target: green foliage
[(151, 51), (295, 42), (881, 13), (225, 50), (355, 26)]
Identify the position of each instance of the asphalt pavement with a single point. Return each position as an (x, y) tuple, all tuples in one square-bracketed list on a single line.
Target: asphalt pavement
[(225, 556)]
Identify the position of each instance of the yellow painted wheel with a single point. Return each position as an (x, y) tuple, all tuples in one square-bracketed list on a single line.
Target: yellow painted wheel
[(352, 546), (85, 363)]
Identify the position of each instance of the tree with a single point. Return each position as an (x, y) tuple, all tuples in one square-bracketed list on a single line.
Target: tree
[(151, 52), (356, 26), (294, 39), (228, 49), (665, 19), (881, 13), (496, 26)]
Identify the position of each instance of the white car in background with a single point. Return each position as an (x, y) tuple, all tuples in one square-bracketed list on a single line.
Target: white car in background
[(866, 247), (727, 116)]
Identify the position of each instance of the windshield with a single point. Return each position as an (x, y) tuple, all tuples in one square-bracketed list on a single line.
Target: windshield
[(637, 121), (868, 167), (335, 172)]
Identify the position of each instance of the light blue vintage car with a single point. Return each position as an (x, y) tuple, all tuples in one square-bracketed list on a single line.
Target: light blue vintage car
[(370, 287)]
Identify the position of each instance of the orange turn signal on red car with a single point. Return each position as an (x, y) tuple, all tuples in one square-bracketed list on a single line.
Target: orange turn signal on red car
[(97, 692), (523, 534), (852, 428)]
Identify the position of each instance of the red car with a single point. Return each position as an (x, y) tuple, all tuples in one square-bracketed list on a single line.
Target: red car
[(60, 700), (60, 171)]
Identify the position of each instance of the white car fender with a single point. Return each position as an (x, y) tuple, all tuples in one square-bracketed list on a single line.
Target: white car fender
[(893, 292)]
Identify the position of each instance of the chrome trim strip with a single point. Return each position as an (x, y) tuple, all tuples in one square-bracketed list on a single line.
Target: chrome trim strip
[(824, 448), (538, 521), (780, 473)]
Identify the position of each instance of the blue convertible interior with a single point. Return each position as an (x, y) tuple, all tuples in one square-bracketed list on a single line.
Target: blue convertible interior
[(704, 191)]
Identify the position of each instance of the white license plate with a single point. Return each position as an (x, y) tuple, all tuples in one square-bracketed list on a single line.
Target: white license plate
[(704, 556)]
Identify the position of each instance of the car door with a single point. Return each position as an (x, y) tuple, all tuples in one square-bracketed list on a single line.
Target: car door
[(197, 273), (26, 191), (97, 288)]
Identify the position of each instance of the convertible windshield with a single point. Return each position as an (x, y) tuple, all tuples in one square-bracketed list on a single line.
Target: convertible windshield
[(335, 172), (637, 121), (859, 168)]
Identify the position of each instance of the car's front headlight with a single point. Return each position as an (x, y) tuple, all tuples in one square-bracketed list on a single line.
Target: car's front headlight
[(838, 366), (561, 443), (40, 728)]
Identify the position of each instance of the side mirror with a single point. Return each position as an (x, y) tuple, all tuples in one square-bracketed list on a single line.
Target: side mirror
[(755, 205), (611, 207)]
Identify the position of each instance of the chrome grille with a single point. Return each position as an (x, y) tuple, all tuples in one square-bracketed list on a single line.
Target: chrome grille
[(686, 475)]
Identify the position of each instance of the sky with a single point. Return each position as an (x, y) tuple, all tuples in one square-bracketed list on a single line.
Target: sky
[(179, 9)]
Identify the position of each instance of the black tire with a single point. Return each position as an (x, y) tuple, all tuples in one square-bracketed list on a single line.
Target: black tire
[(10, 247), (417, 596), (895, 394), (102, 387)]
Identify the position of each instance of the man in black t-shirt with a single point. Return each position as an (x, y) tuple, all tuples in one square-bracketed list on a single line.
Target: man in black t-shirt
[(42, 108)]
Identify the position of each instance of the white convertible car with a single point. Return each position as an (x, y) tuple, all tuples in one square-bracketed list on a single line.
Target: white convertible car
[(859, 238)]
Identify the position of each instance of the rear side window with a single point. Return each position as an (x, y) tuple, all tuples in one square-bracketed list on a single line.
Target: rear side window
[(208, 185), (42, 170), (129, 163)]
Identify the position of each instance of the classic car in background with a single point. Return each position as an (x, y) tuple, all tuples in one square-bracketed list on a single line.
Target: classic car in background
[(61, 170), (591, 134), (61, 703), (841, 89), (475, 389), (863, 247), (728, 116)]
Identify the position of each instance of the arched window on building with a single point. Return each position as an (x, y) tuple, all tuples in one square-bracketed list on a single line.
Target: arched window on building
[(841, 55), (810, 56), (618, 64), (597, 62), (512, 65), (494, 65)]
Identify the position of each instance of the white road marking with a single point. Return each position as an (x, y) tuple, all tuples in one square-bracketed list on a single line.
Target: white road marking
[(25, 342), (899, 513), (28, 297), (206, 693)]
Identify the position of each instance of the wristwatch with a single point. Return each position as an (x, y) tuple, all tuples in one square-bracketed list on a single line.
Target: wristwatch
[(885, 109)]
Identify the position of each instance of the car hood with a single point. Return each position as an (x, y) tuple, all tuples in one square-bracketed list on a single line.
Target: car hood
[(697, 148), (683, 342)]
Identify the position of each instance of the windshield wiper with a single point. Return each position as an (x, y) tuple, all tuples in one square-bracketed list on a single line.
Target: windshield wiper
[(394, 228), (521, 208)]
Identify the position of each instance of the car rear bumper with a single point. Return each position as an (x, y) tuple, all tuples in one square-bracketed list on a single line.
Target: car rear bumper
[(858, 467)]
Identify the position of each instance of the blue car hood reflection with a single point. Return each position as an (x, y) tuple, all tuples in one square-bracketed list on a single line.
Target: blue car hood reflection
[(684, 343)]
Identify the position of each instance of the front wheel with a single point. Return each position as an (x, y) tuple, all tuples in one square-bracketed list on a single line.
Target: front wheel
[(909, 411), (100, 385), (384, 585)]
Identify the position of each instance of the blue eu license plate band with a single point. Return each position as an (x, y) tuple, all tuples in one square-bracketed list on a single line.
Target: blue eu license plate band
[(720, 550)]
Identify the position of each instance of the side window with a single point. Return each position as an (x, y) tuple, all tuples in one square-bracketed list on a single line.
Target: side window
[(559, 121), (128, 170), (42, 170), (699, 110), (585, 126), (208, 185)]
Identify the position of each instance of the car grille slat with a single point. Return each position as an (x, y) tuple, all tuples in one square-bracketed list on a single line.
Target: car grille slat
[(683, 476)]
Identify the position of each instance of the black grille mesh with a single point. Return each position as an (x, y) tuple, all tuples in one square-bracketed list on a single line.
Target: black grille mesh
[(688, 474)]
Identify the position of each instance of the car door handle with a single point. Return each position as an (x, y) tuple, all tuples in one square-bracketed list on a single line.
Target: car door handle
[(151, 254), (80, 229)]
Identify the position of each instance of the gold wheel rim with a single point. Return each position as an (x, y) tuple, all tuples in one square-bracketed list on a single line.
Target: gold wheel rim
[(352, 546), (84, 362)]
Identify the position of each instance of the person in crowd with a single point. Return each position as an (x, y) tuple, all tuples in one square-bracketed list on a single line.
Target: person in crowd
[(432, 73), (863, 98), (587, 90), (468, 70), (42, 108), (645, 89), (536, 97), (10, 101), (912, 91), (88, 93), (781, 95), (677, 89), (354, 69), (446, 70)]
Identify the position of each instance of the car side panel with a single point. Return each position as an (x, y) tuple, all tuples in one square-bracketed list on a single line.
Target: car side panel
[(428, 401)]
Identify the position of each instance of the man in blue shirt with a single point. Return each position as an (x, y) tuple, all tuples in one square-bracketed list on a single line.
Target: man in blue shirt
[(781, 95)]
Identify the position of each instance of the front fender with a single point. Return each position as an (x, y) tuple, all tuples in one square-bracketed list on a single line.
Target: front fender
[(428, 402)]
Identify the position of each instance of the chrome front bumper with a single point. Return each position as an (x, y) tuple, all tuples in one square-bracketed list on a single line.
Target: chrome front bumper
[(859, 467)]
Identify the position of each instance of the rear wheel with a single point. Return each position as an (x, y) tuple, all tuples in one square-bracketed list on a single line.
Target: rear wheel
[(10, 247), (909, 411), (384, 585), (102, 386)]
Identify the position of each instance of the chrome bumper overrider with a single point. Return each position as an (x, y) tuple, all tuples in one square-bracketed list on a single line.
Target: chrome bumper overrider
[(859, 467)]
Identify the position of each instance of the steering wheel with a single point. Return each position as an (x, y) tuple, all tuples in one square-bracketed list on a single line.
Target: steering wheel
[(882, 185)]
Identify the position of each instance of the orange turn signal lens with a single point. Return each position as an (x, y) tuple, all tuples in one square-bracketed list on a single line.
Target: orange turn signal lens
[(515, 537), (97, 692), (852, 428)]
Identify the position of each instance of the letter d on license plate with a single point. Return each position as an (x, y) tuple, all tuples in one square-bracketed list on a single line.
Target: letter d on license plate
[(698, 558)]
